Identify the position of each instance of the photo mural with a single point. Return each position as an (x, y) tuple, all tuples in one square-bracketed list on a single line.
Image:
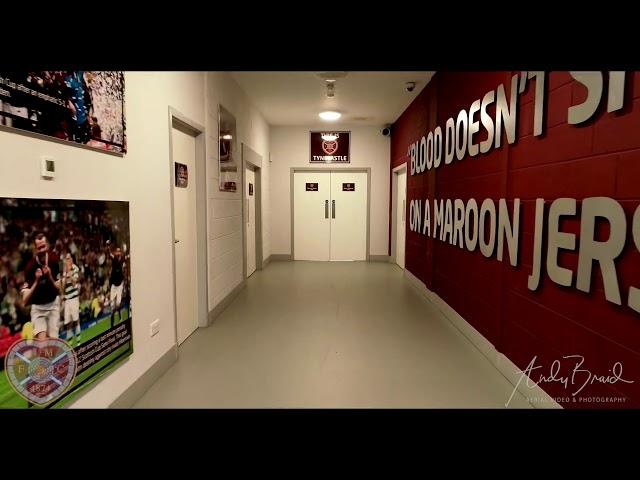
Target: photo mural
[(78, 106)]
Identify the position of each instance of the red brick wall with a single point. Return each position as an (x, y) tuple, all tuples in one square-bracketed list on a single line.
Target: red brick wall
[(598, 158)]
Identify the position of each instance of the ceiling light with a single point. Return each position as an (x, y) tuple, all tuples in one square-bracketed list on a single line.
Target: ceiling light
[(227, 137), (329, 137), (329, 115)]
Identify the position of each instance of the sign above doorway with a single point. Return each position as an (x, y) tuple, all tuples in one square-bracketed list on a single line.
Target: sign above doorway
[(330, 147)]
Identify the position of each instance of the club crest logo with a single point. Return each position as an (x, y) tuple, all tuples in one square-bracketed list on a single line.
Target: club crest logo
[(330, 146), (41, 370)]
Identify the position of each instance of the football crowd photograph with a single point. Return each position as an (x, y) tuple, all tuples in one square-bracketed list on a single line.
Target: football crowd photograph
[(78, 106)]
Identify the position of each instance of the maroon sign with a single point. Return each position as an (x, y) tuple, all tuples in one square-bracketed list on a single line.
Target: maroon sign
[(330, 147), (348, 187), (182, 175), (311, 187)]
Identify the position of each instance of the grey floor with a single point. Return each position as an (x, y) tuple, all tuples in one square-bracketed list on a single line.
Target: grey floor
[(336, 335)]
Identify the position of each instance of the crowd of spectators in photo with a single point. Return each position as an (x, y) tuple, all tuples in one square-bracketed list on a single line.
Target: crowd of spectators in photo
[(84, 107)]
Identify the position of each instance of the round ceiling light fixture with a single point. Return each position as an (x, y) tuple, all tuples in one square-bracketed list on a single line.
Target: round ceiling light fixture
[(329, 115)]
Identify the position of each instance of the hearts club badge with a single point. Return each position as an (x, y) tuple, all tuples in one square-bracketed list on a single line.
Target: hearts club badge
[(41, 370), (329, 146)]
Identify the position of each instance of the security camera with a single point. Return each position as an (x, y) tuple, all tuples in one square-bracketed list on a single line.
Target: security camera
[(386, 130), (410, 86)]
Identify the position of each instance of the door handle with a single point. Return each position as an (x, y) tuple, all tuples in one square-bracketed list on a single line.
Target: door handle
[(333, 209), (326, 209)]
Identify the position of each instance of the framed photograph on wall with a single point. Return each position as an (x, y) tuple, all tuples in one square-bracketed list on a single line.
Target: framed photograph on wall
[(65, 297), (228, 157), (78, 106)]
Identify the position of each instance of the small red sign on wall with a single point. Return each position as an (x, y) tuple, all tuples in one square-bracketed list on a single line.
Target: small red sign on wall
[(182, 175), (348, 187), (311, 187)]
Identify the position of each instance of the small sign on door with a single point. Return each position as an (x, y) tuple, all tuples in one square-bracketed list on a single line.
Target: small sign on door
[(312, 187), (250, 189), (182, 175), (348, 187)]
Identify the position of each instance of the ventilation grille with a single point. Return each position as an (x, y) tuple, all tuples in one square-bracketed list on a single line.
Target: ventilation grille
[(331, 75)]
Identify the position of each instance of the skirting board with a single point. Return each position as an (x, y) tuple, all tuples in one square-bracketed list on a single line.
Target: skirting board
[(266, 261), (131, 395), (224, 303), (280, 257), (535, 395), (284, 257)]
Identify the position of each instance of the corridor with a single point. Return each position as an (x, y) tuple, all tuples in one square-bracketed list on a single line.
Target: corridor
[(330, 335)]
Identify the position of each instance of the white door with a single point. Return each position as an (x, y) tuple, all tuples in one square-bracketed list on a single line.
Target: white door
[(185, 238), (311, 212), (348, 216), (250, 194), (401, 216)]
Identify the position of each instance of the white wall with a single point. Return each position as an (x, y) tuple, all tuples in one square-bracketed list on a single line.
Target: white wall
[(225, 208), (142, 177), (290, 148)]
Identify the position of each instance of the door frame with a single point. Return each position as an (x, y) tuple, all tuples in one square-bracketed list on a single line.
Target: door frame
[(181, 122), (254, 159), (394, 220), (366, 170)]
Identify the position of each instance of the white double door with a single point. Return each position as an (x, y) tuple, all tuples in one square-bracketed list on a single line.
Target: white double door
[(330, 216)]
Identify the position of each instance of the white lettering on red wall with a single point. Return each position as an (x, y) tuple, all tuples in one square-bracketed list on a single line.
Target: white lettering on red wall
[(497, 228), (460, 134), (492, 227)]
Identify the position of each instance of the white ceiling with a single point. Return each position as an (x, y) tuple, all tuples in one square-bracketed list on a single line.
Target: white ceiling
[(363, 98)]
